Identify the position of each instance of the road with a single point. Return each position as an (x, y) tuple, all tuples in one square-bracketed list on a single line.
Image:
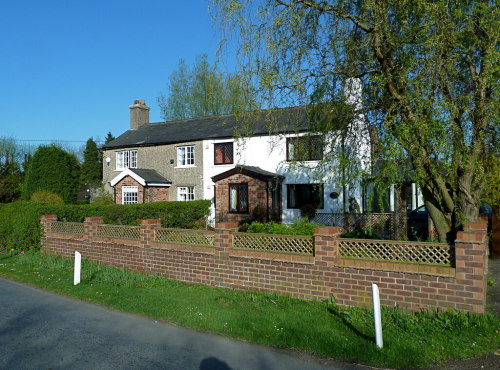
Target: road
[(41, 330)]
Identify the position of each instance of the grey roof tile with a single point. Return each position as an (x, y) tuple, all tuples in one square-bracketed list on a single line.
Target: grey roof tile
[(215, 127), (150, 176)]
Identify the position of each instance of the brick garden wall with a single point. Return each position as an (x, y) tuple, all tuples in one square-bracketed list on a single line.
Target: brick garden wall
[(410, 286)]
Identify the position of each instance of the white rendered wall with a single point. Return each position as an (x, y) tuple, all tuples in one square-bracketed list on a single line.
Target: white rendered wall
[(269, 153)]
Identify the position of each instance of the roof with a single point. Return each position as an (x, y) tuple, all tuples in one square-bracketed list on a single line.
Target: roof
[(215, 127), (255, 172), (145, 177)]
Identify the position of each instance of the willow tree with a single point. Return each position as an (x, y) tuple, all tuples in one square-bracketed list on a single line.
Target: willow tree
[(429, 73)]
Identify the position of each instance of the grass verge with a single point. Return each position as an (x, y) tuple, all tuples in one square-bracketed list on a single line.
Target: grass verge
[(410, 339)]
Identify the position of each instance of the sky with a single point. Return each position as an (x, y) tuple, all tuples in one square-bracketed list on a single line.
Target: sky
[(70, 69)]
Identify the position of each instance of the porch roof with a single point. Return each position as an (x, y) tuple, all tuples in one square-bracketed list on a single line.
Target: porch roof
[(251, 171), (145, 177)]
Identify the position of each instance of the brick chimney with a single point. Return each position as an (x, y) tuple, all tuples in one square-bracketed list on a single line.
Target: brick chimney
[(139, 114)]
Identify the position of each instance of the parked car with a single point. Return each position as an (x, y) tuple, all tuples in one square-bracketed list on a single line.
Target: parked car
[(417, 221)]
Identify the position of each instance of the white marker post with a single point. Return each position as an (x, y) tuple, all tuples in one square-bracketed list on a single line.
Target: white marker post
[(377, 316), (78, 268)]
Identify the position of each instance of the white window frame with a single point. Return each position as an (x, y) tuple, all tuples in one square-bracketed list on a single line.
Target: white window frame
[(185, 156), (185, 193), (130, 194), (126, 159)]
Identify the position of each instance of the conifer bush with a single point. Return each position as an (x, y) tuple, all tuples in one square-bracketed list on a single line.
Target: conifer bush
[(55, 170)]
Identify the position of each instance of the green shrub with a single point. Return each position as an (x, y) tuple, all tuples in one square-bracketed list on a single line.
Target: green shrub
[(299, 227), (54, 170), (362, 233), (20, 221), (101, 197), (44, 196)]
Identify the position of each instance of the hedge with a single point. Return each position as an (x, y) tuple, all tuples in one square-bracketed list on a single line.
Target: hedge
[(20, 221), (299, 227)]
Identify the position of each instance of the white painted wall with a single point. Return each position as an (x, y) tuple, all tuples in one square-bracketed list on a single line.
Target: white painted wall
[(269, 153)]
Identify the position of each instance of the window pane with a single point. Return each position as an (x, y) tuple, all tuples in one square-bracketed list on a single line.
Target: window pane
[(233, 198), (133, 159), (119, 160), (218, 154), (305, 148), (303, 195), (190, 155), (129, 194), (181, 156), (126, 159), (316, 148), (228, 153), (185, 193), (223, 153), (243, 197)]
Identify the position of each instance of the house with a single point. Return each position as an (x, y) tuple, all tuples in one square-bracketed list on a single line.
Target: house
[(233, 161)]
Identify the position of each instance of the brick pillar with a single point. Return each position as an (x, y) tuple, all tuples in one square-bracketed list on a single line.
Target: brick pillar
[(471, 262), (224, 238), (326, 245), (45, 222), (147, 231), (90, 228)]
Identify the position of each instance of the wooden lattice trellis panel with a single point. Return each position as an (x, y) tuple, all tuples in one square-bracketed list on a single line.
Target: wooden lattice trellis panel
[(196, 237), (432, 253), (275, 243), (60, 227), (118, 231)]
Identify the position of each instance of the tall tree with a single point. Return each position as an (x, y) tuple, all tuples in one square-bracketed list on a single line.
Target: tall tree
[(429, 73), (109, 137), (204, 91), (10, 177), (55, 170), (11, 169), (91, 168)]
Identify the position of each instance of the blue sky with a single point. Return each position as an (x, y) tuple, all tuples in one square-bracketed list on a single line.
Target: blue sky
[(69, 69)]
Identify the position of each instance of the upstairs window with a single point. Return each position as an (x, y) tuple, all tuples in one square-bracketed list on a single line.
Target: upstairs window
[(305, 195), (223, 153), (126, 159), (185, 193), (238, 198), (304, 148), (129, 194), (185, 156)]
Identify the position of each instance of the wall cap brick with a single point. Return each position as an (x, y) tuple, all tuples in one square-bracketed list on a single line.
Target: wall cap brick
[(327, 230), (226, 225), (150, 222), (50, 217), (94, 219)]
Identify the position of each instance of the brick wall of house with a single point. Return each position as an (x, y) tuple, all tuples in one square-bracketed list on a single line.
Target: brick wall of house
[(144, 194), (259, 198), (128, 181), (410, 286), (156, 194)]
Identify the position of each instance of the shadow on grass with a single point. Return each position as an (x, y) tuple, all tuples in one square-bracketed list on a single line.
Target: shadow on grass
[(335, 312), (4, 256)]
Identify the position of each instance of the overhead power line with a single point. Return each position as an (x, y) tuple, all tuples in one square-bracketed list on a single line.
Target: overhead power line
[(57, 141)]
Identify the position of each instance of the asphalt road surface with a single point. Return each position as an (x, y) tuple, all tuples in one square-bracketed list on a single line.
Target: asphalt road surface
[(41, 330)]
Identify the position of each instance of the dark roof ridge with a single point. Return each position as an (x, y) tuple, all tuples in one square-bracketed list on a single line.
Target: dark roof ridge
[(210, 127)]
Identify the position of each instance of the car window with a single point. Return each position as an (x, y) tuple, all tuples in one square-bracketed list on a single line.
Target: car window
[(421, 209)]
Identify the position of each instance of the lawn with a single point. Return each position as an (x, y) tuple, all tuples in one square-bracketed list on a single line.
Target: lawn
[(410, 339)]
